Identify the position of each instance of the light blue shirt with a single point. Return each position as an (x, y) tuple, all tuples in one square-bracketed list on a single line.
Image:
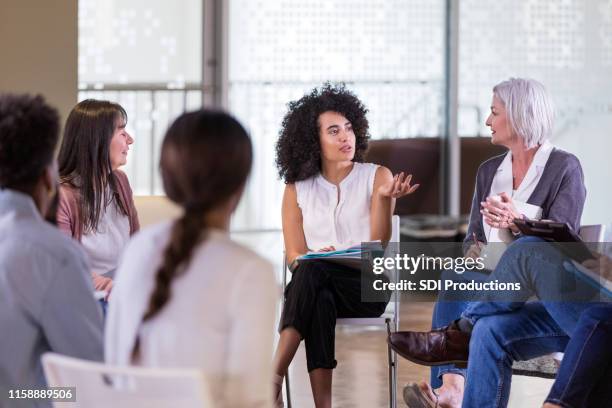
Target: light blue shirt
[(46, 296)]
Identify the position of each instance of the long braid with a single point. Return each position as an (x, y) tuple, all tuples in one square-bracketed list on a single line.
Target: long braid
[(205, 160), (187, 232)]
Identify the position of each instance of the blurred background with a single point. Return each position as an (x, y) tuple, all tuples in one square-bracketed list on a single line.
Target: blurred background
[(424, 68)]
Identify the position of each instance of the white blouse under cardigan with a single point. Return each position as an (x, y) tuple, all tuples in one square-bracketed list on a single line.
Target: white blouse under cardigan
[(220, 317), (502, 182)]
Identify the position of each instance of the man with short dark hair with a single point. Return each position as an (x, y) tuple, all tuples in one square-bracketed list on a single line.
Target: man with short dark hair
[(46, 295)]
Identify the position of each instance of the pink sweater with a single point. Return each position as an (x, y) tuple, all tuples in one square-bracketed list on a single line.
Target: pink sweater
[(68, 209)]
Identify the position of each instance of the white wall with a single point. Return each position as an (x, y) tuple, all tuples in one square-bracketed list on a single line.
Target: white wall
[(591, 141), (38, 45)]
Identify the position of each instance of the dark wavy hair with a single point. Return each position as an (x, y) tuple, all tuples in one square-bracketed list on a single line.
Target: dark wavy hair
[(205, 159), (298, 149), (29, 131), (84, 158)]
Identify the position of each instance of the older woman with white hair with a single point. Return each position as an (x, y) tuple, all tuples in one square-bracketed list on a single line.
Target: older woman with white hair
[(533, 179)]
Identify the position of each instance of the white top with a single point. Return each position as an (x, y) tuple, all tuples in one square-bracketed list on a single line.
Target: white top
[(220, 317), (502, 182), (337, 216), (105, 246)]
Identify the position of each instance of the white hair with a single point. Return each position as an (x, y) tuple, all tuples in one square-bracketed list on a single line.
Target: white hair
[(529, 109)]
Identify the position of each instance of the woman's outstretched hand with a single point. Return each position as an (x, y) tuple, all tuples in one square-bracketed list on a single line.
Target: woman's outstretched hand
[(399, 187)]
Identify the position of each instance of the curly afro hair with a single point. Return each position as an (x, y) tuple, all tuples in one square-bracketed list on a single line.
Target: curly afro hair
[(298, 150), (29, 131)]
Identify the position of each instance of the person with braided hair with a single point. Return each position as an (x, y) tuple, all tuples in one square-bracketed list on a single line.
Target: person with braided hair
[(186, 295)]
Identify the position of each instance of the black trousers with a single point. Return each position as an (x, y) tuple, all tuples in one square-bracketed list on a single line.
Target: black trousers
[(318, 294)]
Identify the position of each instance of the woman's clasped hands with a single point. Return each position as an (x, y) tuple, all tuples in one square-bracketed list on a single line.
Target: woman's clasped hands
[(499, 212)]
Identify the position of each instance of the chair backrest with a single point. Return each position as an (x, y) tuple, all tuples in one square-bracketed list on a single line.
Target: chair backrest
[(100, 385), (593, 234), (154, 209), (392, 250), (395, 228), (393, 246)]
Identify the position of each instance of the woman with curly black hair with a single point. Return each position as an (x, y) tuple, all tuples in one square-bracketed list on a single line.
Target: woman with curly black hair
[(332, 200)]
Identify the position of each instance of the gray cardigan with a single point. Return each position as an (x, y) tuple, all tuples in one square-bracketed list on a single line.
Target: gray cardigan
[(560, 192)]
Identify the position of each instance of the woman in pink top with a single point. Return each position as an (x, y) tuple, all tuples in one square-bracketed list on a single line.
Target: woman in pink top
[(96, 206)]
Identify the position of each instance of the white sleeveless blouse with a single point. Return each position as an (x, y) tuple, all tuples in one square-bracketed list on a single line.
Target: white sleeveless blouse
[(337, 216)]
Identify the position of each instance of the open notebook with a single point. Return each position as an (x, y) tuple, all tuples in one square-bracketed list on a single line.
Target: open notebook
[(350, 256)]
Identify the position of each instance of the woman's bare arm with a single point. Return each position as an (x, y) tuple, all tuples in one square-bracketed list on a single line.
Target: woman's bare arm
[(293, 230), (382, 207), (387, 188)]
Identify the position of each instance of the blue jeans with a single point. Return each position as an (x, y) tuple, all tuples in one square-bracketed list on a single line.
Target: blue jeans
[(584, 377), (497, 341), (446, 310), (104, 306), (510, 330)]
